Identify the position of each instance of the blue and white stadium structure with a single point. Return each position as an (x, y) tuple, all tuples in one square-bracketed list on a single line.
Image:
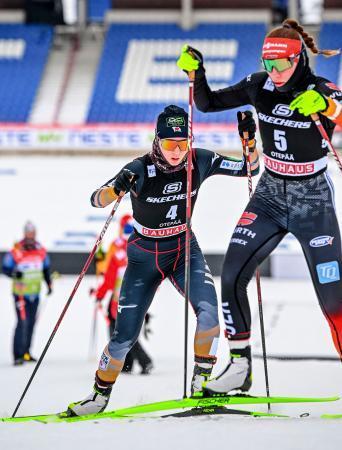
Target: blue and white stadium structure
[(131, 77)]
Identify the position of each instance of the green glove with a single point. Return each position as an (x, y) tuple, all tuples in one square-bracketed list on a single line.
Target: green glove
[(309, 102), (189, 61)]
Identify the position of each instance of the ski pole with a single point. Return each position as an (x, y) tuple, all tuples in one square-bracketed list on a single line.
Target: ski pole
[(257, 271), (78, 282), (188, 228), (92, 344), (321, 129)]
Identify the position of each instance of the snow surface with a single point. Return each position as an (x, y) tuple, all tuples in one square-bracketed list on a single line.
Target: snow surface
[(294, 324)]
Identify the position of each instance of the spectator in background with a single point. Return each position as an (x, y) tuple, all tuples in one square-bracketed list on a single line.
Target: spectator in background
[(113, 266), (27, 264)]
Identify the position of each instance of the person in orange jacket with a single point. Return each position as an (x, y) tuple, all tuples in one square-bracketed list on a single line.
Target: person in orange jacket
[(113, 266)]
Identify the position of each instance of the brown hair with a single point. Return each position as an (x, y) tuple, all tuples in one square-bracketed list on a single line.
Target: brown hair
[(291, 29)]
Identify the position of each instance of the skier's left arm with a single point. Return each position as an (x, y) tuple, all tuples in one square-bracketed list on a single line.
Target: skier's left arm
[(215, 164), (325, 99), (211, 163)]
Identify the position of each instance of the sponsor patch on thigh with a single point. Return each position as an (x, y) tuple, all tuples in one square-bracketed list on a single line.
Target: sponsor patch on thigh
[(328, 272)]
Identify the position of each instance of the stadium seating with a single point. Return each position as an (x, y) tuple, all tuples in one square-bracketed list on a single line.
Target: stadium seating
[(329, 38), (137, 74), (97, 9), (23, 54)]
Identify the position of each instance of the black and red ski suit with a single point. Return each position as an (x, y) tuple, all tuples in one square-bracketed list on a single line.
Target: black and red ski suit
[(294, 195)]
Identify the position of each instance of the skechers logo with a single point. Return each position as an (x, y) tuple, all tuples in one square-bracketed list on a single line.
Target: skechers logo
[(172, 188), (282, 110), (321, 241)]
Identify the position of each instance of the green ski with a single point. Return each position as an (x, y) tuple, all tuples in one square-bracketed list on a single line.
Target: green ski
[(170, 405), (331, 416)]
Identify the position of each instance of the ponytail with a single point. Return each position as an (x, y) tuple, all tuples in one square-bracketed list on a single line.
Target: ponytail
[(292, 30)]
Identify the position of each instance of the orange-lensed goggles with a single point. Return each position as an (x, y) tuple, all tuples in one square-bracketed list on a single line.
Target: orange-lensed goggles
[(170, 144)]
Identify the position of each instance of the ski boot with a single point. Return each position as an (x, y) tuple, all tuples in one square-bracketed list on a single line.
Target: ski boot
[(202, 371), (146, 369), (236, 376), (96, 402), (18, 362)]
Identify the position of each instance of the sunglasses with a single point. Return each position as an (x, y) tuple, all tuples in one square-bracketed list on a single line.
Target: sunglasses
[(279, 64), (171, 144)]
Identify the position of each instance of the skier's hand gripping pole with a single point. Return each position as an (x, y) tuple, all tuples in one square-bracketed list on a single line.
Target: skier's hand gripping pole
[(78, 282), (245, 121), (188, 227), (321, 129)]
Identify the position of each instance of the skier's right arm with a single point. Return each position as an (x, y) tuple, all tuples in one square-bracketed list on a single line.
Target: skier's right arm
[(122, 183), (207, 100)]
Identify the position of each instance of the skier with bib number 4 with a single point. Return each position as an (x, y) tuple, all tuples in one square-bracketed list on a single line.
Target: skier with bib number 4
[(156, 248), (294, 193)]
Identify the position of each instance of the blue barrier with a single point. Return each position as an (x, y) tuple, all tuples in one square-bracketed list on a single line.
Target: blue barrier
[(97, 9)]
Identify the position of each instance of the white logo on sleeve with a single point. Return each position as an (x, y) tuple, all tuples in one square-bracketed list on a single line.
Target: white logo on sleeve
[(121, 307), (213, 159), (231, 165), (151, 171), (269, 86)]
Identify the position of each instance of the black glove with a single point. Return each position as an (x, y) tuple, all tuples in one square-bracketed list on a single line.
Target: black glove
[(18, 275), (49, 292), (124, 181), (246, 124), (196, 54)]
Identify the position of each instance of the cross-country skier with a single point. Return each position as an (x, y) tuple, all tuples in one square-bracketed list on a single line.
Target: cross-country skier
[(294, 193), (27, 264), (156, 248), (115, 263)]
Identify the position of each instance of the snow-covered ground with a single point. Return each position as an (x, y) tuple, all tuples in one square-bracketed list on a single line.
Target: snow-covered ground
[(295, 327)]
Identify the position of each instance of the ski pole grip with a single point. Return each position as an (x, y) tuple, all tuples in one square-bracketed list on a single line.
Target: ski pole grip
[(192, 75)]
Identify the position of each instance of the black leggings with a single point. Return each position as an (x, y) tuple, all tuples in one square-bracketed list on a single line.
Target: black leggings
[(304, 208), (149, 263)]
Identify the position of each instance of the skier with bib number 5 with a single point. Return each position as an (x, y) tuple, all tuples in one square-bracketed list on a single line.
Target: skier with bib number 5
[(156, 248), (294, 193)]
